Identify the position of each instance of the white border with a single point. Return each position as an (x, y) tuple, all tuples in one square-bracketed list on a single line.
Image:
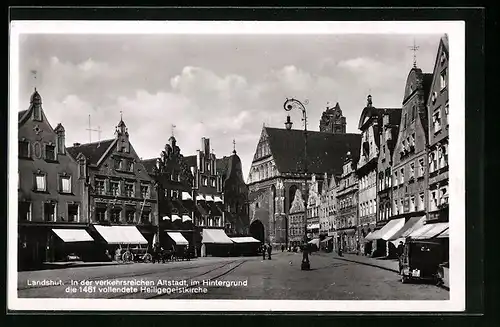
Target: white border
[(456, 33)]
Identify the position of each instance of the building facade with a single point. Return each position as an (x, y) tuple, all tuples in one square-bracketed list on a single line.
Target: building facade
[(347, 199), (296, 223), (438, 137), (328, 211), (313, 208), (51, 191), (277, 172), (121, 192), (410, 153)]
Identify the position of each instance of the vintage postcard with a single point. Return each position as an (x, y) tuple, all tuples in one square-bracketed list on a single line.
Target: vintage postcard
[(270, 166)]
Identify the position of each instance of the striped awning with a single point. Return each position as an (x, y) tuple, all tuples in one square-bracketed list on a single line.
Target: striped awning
[(186, 196), (186, 218), (217, 199)]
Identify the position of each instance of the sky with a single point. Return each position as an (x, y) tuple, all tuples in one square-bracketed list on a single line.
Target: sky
[(221, 87)]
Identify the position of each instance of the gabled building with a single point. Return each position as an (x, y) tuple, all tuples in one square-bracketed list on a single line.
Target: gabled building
[(388, 135), (313, 207), (121, 191), (296, 224), (176, 209), (235, 195), (279, 161), (438, 109), (328, 211), (51, 190), (370, 125), (347, 199)]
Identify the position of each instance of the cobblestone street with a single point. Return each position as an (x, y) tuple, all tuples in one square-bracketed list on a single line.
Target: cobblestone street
[(330, 278)]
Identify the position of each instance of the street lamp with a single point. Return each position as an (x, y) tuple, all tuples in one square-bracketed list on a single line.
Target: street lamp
[(288, 106)]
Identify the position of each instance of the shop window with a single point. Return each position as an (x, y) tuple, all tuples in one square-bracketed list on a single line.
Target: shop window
[(49, 212), (40, 182), (24, 149), (24, 210), (73, 212)]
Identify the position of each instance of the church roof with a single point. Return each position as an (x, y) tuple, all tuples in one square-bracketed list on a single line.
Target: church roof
[(325, 151), (92, 151)]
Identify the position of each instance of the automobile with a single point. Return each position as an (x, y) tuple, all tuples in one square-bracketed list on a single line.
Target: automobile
[(421, 260)]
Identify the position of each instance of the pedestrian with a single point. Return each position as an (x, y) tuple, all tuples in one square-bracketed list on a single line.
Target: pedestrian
[(282, 248), (263, 252), (269, 250), (400, 249)]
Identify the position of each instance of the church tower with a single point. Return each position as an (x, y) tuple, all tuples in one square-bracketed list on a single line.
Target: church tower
[(332, 121)]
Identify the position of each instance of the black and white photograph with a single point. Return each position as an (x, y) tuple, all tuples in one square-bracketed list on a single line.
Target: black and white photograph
[(292, 166)]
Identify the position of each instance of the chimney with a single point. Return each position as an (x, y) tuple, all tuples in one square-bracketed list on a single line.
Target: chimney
[(76, 144)]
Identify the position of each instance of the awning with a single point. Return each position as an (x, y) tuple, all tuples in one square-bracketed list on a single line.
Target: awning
[(200, 197), (326, 239), (392, 227), (175, 217), (208, 198), (444, 234), (121, 234), (244, 240), (215, 236), (186, 196), (412, 224), (313, 226), (165, 218), (73, 235), (178, 238), (315, 242), (217, 198), (429, 231), (186, 218)]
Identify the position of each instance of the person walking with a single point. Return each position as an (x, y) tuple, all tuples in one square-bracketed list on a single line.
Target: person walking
[(263, 252), (282, 248), (269, 250)]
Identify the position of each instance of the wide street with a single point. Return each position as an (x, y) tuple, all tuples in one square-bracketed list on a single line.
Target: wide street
[(330, 278)]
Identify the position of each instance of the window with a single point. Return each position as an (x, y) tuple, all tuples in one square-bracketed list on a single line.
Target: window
[(60, 144), (405, 118), (396, 180), (145, 191), (99, 187), (204, 181), (208, 166), (433, 201), (117, 163), (412, 170), (212, 181), (65, 185), (130, 216), (24, 149), (402, 172), (129, 190), (72, 212), (24, 210), (49, 212), (145, 217), (41, 183), (421, 202), (413, 112), (432, 162), (412, 140), (129, 166), (50, 152), (444, 78), (443, 198), (115, 216), (436, 121), (100, 214), (403, 148), (412, 203), (114, 188), (401, 206), (421, 165), (81, 169), (446, 110), (383, 149), (396, 207), (443, 156)]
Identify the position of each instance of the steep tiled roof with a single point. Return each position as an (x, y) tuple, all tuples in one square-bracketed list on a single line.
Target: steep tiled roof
[(223, 165), (427, 82), (325, 151), (190, 161), (149, 164), (92, 151), (21, 114)]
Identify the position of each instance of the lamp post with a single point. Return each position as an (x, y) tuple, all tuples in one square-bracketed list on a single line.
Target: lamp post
[(288, 106)]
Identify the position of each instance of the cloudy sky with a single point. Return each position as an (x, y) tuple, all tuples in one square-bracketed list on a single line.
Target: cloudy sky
[(215, 86)]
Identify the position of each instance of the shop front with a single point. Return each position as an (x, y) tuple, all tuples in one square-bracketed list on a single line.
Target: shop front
[(215, 243)]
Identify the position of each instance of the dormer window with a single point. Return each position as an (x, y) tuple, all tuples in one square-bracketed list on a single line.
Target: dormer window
[(117, 163)]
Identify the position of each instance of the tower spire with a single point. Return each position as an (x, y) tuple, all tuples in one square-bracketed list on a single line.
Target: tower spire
[(234, 146), (414, 48)]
